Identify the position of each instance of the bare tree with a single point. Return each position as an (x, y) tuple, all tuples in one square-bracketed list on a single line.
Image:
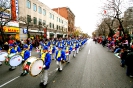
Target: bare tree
[(4, 15), (114, 11), (27, 22)]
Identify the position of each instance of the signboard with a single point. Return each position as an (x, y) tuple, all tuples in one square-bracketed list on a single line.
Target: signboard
[(4, 15), (16, 9), (13, 24), (25, 31), (10, 29)]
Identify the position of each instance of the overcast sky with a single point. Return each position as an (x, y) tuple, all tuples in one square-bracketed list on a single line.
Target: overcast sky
[(86, 11)]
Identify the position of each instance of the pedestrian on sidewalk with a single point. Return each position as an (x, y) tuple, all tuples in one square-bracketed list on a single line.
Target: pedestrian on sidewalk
[(129, 63)]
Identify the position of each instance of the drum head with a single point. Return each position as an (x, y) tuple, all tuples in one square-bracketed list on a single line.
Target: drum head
[(15, 60), (36, 67), (3, 55)]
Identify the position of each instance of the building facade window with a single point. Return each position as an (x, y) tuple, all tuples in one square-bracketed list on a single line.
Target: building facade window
[(34, 7), (44, 22), (28, 18), (50, 25), (57, 27), (50, 15), (44, 12), (39, 9), (53, 16), (28, 3), (53, 26), (40, 22), (35, 20), (57, 19)]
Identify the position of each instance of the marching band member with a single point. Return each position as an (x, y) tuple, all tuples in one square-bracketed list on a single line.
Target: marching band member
[(25, 54), (68, 50), (45, 56), (74, 49), (17, 48), (52, 49), (11, 50), (77, 47), (30, 47), (60, 57)]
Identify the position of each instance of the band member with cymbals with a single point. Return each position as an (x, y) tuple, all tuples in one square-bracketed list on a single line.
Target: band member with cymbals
[(60, 57), (25, 54), (11, 50), (45, 56)]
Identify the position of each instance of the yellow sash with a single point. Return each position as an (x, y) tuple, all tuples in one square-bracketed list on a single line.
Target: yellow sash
[(29, 47), (9, 50), (43, 56), (74, 45), (16, 48), (59, 54), (67, 49), (51, 47), (22, 53)]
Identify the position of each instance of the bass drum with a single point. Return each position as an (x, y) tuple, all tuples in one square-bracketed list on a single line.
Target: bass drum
[(33, 65), (3, 56), (13, 59)]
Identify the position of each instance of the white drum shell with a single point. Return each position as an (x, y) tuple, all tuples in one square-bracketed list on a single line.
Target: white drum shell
[(15, 60), (35, 67), (3, 55)]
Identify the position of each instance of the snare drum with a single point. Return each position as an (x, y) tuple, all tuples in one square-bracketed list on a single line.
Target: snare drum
[(3, 56), (33, 65), (13, 59)]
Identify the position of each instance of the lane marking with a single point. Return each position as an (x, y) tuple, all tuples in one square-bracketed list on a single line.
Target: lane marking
[(9, 81), (89, 51)]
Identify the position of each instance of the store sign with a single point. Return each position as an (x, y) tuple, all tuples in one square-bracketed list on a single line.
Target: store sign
[(10, 29), (13, 24), (25, 31), (4, 15)]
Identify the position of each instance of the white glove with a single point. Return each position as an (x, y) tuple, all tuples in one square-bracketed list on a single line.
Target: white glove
[(43, 66)]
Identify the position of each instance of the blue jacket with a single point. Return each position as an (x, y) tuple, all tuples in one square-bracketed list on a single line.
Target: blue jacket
[(12, 51), (18, 49), (26, 55), (63, 56), (31, 47), (54, 49), (47, 61)]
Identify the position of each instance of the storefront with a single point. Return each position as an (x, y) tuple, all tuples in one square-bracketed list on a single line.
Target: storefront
[(11, 31), (51, 35)]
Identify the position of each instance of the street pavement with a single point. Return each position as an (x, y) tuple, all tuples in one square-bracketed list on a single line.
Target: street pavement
[(93, 67)]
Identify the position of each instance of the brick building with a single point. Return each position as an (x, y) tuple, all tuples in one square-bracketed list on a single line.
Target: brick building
[(69, 15)]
